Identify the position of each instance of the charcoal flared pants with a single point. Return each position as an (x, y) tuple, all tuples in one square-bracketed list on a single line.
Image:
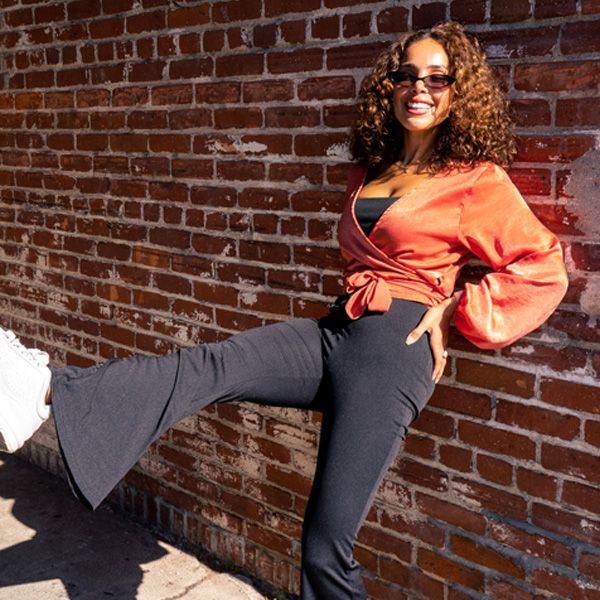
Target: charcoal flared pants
[(368, 384)]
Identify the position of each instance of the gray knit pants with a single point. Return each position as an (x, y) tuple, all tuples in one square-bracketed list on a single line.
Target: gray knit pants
[(360, 374)]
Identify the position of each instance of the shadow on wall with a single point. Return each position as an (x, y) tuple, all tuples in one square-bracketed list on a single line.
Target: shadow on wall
[(47, 536)]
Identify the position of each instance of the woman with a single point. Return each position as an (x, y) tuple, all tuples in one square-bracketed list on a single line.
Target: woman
[(433, 132)]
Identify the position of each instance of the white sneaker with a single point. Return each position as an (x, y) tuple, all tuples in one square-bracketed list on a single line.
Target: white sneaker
[(24, 382)]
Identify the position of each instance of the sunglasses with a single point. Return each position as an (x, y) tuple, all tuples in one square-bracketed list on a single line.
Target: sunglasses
[(437, 81)]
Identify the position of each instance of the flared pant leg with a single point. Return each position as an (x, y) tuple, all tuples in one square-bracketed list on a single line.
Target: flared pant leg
[(107, 416)]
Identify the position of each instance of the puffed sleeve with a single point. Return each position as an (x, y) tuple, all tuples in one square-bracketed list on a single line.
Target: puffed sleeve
[(529, 278)]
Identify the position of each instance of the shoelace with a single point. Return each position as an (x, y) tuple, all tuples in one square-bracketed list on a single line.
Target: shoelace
[(40, 357)]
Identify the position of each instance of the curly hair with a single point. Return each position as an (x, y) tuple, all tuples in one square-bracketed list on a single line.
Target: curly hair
[(478, 127)]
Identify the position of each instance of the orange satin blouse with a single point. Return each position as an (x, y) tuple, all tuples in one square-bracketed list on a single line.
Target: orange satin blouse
[(421, 242)]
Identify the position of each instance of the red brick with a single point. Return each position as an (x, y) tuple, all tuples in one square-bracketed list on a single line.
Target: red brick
[(169, 143), (516, 43), (353, 56), (446, 512), (295, 61), (184, 119), (395, 519), (494, 470), (392, 20), (265, 36), (83, 9), (279, 7), (557, 76), (107, 28), (580, 37), (356, 25), (534, 544), (380, 590), (293, 32), (467, 11), (238, 118), (490, 498), (291, 172), (240, 170), (555, 8), (318, 144), (584, 496), (559, 220), (532, 181), (576, 324), (486, 556), (382, 541), (589, 7), (19, 18), (408, 577), (421, 474), (190, 68), (553, 148), (449, 570), (592, 433), (498, 441), (533, 418), (217, 93), (537, 484), (459, 459), (510, 11), (589, 564), (147, 71), (319, 88), (236, 10), (494, 377), (213, 293), (571, 461), (325, 27), (258, 91), (292, 117), (188, 16), (563, 585), (462, 401), (576, 396), (531, 112), (228, 66), (583, 112), (173, 94)]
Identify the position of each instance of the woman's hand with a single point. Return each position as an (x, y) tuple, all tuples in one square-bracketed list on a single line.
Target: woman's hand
[(436, 321)]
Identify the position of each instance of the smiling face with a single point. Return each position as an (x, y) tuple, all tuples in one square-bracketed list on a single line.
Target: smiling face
[(417, 107)]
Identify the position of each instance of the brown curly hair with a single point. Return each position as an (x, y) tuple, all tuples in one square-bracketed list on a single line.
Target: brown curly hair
[(478, 127)]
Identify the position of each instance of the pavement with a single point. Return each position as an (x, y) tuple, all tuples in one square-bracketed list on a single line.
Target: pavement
[(52, 548)]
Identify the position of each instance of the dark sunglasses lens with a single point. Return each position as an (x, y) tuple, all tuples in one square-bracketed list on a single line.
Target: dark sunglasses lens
[(438, 81), (399, 78)]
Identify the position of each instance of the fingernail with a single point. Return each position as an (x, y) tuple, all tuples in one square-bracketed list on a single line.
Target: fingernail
[(410, 340)]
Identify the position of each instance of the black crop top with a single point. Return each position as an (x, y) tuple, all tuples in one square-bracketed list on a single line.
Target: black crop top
[(369, 210)]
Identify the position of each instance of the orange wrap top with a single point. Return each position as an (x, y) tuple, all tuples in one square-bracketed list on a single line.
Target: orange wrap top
[(421, 242)]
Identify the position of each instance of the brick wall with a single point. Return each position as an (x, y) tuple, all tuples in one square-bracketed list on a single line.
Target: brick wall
[(173, 172)]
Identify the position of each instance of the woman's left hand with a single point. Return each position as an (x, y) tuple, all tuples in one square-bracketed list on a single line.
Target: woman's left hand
[(436, 322)]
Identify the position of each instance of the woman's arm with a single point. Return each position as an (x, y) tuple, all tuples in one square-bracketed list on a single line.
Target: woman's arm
[(529, 278)]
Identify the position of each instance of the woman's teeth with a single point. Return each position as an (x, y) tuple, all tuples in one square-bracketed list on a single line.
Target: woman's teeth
[(419, 107)]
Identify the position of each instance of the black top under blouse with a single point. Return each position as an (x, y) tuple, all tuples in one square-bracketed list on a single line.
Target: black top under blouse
[(369, 210)]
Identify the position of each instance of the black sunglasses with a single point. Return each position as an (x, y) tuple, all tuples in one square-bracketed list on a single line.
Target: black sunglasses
[(437, 81)]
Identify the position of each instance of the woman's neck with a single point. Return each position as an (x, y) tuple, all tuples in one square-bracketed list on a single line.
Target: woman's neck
[(417, 146)]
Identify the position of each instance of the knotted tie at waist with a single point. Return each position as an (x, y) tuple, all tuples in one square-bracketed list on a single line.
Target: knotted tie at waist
[(369, 292)]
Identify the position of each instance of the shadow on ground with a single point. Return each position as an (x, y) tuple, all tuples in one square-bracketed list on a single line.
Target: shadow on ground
[(47, 536)]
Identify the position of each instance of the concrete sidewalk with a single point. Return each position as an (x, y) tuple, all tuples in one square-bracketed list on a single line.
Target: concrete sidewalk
[(52, 548)]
